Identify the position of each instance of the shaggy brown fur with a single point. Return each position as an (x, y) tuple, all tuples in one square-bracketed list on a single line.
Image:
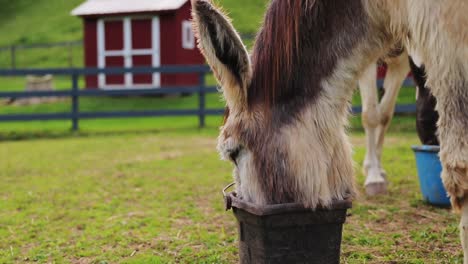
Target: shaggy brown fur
[(297, 47)]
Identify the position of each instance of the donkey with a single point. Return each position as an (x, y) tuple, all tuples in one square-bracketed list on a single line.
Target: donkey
[(288, 103), (377, 116)]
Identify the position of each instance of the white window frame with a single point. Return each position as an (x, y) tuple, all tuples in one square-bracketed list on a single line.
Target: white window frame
[(128, 52), (188, 40)]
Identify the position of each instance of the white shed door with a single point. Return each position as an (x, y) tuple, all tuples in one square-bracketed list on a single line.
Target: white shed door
[(129, 42)]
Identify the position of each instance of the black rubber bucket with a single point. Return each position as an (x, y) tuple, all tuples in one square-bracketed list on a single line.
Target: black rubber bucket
[(288, 233)]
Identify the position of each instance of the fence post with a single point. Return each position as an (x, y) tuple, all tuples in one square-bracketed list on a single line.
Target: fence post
[(13, 57), (201, 100), (75, 102)]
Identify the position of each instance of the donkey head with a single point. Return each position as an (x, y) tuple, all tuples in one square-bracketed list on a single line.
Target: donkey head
[(227, 55), (283, 130)]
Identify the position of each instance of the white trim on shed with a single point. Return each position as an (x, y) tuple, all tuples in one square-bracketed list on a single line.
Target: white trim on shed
[(107, 7), (128, 51)]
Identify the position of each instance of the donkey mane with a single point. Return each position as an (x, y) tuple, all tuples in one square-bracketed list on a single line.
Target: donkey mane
[(298, 46), (276, 50)]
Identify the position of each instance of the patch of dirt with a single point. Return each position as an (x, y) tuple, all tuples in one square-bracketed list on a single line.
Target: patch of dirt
[(81, 261)]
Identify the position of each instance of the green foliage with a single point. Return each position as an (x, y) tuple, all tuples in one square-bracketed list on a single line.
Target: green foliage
[(39, 21), (26, 22), (47, 21), (246, 15)]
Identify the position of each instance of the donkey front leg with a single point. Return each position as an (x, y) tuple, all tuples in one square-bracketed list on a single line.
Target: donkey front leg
[(375, 183), (397, 71), (455, 178), (453, 126)]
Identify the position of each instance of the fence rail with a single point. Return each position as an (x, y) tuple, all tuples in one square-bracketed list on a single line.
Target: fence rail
[(13, 49), (75, 93), (76, 43)]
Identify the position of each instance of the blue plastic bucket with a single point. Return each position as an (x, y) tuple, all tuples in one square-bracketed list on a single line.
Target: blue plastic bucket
[(429, 170)]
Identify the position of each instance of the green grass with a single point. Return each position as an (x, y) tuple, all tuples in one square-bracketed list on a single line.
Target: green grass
[(155, 198)]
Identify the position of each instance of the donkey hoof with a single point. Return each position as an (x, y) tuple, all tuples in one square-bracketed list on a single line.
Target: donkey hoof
[(376, 188)]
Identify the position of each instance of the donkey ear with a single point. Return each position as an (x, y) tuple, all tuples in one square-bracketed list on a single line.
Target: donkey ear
[(223, 49)]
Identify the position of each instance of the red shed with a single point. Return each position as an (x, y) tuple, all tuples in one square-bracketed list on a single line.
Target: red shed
[(127, 33)]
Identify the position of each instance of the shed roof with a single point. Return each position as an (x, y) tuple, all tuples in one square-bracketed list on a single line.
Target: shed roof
[(105, 7)]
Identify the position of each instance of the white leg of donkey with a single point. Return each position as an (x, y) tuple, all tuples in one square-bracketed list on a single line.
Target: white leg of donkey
[(398, 68), (375, 182), (377, 116)]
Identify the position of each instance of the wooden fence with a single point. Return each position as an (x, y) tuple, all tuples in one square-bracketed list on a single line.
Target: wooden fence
[(75, 93)]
